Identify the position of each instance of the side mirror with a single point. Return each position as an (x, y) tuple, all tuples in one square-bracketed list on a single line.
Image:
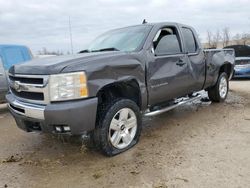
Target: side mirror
[(199, 50), (168, 44)]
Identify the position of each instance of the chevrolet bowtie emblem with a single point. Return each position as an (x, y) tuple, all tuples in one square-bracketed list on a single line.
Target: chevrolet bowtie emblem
[(17, 86)]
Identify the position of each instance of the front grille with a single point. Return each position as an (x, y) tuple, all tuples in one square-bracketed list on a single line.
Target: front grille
[(28, 95), (27, 80), (30, 88)]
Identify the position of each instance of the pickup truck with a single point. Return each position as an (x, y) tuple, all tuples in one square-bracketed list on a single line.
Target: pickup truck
[(125, 73), (10, 55)]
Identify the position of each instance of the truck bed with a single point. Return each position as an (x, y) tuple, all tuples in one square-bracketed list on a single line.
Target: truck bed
[(214, 57)]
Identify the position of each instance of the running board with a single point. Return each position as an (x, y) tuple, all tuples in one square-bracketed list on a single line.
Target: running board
[(184, 101)]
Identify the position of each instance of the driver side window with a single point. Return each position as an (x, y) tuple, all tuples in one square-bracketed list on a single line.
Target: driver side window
[(166, 42)]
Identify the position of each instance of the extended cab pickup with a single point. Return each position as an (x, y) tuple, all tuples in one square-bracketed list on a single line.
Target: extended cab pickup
[(125, 73)]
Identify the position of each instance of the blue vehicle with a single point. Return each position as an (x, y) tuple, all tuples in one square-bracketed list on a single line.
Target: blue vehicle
[(242, 67), (10, 55), (242, 61)]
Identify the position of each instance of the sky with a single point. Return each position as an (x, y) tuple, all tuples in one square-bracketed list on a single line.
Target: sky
[(45, 23)]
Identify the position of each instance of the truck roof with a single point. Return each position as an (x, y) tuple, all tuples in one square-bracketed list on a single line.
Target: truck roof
[(162, 23), (159, 24)]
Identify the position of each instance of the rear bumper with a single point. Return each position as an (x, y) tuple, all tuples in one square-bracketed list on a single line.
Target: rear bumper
[(79, 116)]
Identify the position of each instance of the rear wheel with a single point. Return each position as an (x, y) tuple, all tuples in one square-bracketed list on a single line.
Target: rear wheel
[(218, 93), (118, 126)]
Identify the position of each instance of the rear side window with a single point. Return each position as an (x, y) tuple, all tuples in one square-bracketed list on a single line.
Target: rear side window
[(189, 40)]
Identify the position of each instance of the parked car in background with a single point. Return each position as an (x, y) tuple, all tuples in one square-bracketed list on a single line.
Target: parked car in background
[(242, 61), (10, 55), (242, 67)]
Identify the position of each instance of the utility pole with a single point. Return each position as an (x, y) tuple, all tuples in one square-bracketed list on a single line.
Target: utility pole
[(70, 35)]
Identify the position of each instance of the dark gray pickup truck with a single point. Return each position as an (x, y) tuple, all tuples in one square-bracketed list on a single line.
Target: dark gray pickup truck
[(125, 73)]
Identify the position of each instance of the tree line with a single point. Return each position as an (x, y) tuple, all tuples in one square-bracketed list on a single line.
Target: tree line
[(44, 51), (224, 38)]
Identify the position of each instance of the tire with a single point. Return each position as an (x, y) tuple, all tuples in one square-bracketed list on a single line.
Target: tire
[(114, 132), (218, 93)]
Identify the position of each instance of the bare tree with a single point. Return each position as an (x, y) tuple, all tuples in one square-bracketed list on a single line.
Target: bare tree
[(237, 39), (245, 38), (209, 38), (225, 36), (44, 51), (216, 39)]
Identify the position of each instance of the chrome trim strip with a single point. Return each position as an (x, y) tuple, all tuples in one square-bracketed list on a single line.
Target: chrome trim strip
[(38, 88), (27, 87), (30, 110), (28, 76)]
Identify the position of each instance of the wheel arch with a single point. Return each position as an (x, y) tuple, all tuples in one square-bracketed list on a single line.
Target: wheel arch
[(128, 88), (227, 67)]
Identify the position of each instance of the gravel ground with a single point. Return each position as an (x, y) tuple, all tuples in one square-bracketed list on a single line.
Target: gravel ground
[(196, 145)]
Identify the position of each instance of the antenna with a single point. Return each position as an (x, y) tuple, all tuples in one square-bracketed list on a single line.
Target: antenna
[(70, 36), (144, 21)]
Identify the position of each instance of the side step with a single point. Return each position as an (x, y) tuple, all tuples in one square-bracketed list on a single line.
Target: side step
[(181, 102)]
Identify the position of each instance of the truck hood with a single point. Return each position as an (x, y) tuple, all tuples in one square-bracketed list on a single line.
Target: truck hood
[(55, 65)]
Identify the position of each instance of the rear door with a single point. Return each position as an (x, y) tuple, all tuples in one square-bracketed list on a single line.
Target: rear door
[(168, 76), (195, 57)]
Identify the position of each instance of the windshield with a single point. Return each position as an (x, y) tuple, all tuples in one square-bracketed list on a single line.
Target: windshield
[(126, 39)]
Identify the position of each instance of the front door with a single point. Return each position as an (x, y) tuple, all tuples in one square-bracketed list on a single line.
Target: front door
[(168, 75)]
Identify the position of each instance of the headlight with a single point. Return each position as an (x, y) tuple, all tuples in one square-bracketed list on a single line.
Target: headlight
[(68, 86)]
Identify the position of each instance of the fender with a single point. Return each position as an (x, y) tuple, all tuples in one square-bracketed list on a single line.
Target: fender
[(215, 59)]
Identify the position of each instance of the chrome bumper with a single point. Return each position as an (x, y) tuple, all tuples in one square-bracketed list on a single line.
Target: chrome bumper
[(28, 110)]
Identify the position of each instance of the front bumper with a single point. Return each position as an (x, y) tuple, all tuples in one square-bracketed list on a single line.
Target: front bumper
[(79, 116)]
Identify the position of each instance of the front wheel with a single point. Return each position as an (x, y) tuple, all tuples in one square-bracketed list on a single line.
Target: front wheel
[(118, 126), (218, 93)]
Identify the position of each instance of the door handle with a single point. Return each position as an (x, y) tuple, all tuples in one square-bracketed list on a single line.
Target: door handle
[(180, 62)]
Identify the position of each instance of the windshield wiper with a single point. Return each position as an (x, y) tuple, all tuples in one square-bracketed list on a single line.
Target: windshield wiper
[(100, 50), (106, 49), (84, 51)]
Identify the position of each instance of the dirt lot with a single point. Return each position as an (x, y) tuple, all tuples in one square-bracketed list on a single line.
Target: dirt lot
[(197, 145)]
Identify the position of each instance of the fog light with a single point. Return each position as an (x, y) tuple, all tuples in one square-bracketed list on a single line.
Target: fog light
[(58, 129), (66, 128)]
